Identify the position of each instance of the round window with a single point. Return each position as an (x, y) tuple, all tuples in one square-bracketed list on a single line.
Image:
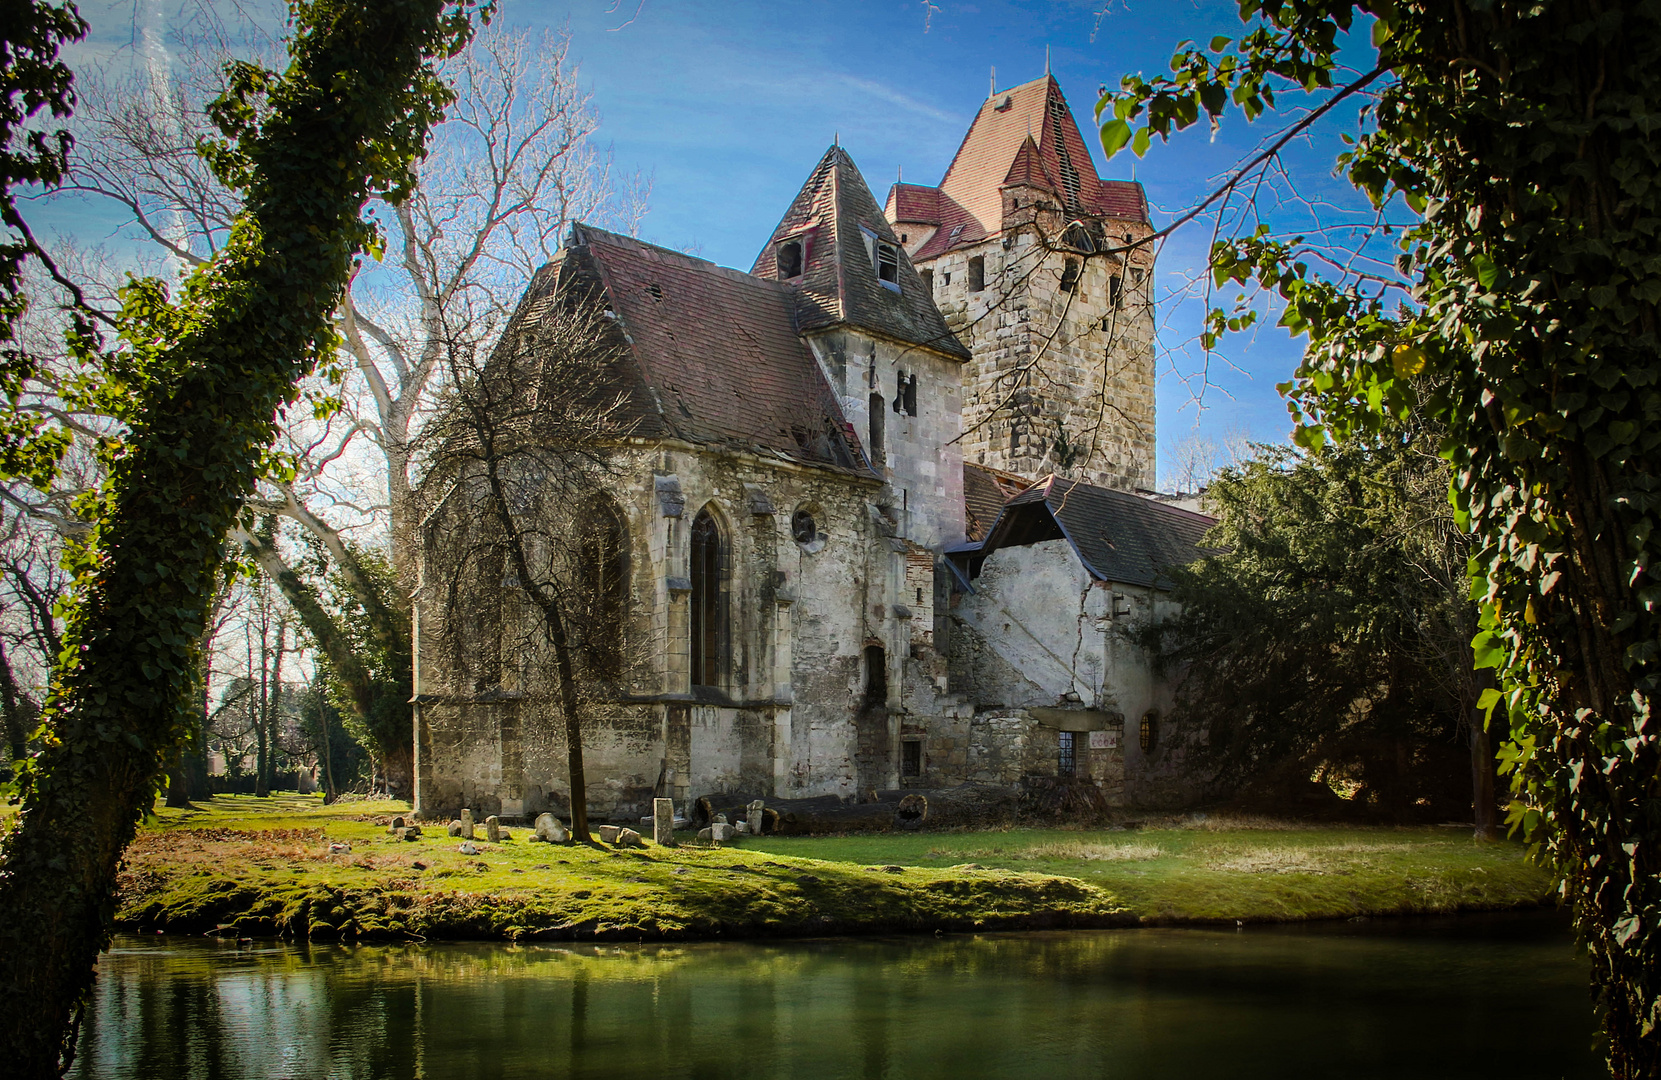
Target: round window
[(803, 527)]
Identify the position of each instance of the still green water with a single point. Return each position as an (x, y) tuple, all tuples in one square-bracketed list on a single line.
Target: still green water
[(1461, 998)]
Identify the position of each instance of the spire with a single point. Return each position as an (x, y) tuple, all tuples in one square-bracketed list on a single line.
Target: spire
[(1046, 58), (993, 92), (850, 262)]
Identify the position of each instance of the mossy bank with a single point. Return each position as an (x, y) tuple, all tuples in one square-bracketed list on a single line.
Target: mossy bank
[(280, 866)]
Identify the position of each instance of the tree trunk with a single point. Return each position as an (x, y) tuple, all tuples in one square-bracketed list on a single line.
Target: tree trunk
[(395, 756), (178, 786), (191, 455), (15, 711), (570, 704)]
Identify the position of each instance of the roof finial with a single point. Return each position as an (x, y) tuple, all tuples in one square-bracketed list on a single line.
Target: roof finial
[(899, 174), (1046, 59), (992, 93), (836, 138)]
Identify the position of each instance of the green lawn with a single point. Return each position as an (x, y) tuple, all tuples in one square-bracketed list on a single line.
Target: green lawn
[(265, 866), (1223, 869)]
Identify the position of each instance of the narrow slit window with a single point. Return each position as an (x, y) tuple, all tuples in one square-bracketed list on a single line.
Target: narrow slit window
[(977, 273), (790, 259), (876, 676), (1069, 275), (911, 395), (874, 443), (1066, 765), (911, 758), (928, 279), (1115, 290)]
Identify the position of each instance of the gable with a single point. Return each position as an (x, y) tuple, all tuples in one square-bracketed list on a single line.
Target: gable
[(838, 224), (712, 354)]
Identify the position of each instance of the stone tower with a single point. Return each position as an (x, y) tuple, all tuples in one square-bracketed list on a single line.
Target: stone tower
[(1039, 267)]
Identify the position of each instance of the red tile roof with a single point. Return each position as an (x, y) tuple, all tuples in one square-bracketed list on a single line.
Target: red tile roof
[(995, 153), (913, 203), (716, 357), (838, 284), (1028, 168)]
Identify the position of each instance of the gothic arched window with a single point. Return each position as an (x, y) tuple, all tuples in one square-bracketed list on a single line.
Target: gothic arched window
[(708, 601), (603, 553)]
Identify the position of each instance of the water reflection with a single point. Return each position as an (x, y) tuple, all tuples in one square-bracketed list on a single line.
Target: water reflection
[(1424, 999)]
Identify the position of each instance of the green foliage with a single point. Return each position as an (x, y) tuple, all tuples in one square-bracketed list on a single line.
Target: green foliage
[(33, 79), (364, 611), (198, 378), (1523, 133), (325, 730), (1315, 638)]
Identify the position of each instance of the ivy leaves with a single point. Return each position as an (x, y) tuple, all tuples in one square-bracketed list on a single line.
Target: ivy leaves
[(1526, 323)]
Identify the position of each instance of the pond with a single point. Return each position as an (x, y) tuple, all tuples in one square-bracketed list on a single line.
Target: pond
[(1483, 996)]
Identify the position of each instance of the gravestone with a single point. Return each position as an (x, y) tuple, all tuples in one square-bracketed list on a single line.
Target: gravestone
[(628, 838), (493, 829), (454, 828), (608, 834), (397, 823), (467, 824), (663, 822), (550, 830), (722, 832), (753, 818)]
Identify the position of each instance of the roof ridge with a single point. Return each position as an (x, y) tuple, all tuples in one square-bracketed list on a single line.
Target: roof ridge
[(690, 262), (1046, 77)]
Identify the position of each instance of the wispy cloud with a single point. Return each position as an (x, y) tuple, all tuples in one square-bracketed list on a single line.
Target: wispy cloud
[(887, 93)]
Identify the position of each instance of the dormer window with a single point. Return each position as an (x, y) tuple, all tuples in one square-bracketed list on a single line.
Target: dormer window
[(888, 264), (789, 258)]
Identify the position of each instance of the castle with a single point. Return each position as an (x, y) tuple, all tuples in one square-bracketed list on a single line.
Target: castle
[(882, 519)]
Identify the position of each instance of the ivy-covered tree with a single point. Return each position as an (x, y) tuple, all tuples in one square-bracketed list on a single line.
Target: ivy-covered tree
[(1521, 134), (197, 380)]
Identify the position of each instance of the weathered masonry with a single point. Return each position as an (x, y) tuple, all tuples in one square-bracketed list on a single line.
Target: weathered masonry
[(813, 592), (1031, 257)]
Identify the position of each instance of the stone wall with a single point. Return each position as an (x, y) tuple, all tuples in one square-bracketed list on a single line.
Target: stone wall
[(917, 456), (1062, 378), (785, 719)]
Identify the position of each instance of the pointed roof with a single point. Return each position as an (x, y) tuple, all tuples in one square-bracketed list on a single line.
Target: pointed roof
[(1026, 134), (710, 355), (1029, 169), (838, 221)]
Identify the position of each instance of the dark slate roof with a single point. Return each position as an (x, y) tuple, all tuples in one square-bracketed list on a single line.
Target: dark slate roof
[(838, 284), (1118, 536), (713, 355), (968, 205)]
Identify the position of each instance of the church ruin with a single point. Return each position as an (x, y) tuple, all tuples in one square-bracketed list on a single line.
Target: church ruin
[(881, 518)]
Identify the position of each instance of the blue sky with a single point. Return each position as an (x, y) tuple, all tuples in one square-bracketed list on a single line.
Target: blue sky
[(729, 104)]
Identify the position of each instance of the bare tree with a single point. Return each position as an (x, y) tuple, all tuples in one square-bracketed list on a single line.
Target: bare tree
[(512, 166), (527, 563)]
